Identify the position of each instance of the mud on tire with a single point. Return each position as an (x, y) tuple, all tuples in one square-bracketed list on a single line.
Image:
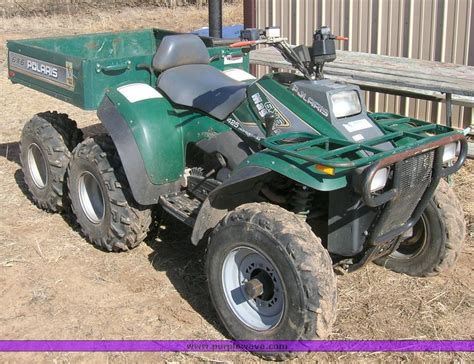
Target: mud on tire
[(101, 198), (441, 231), (293, 260), (46, 144)]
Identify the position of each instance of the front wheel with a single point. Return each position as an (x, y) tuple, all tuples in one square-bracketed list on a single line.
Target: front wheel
[(437, 238), (270, 278)]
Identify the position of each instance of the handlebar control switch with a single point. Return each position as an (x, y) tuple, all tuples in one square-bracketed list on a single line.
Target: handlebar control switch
[(324, 47), (272, 32), (250, 34)]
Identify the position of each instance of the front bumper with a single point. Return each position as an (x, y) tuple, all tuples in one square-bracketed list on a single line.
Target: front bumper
[(416, 175)]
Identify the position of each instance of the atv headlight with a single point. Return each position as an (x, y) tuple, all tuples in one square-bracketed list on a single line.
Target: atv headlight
[(345, 103), (380, 180), (449, 152)]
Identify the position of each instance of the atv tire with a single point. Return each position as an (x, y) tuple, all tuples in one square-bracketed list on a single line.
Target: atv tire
[(298, 298), (101, 198), (437, 241), (46, 144)]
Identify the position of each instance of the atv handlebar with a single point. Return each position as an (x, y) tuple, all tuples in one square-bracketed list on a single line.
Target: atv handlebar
[(246, 43), (243, 44)]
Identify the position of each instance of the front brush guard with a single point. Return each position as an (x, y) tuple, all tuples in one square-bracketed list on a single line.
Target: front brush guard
[(438, 171), (438, 168), (382, 244)]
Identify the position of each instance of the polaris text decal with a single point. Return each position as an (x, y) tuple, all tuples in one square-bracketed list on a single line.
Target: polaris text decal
[(52, 73), (310, 101)]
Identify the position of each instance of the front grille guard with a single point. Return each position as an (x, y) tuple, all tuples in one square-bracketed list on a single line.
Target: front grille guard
[(334, 153), (438, 171), (379, 243)]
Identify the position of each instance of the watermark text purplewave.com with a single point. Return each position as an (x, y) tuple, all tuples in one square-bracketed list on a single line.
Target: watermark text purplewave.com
[(236, 346)]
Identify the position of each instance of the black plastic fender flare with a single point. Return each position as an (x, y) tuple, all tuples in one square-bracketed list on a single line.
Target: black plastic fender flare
[(240, 188)]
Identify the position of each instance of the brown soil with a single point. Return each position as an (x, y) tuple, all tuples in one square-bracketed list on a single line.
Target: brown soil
[(54, 285)]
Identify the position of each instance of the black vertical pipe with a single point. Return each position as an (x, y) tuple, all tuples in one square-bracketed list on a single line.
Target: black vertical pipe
[(215, 18), (249, 14), (250, 21)]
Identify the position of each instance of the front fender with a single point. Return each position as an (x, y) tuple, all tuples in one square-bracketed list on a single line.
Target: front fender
[(240, 188), (296, 169)]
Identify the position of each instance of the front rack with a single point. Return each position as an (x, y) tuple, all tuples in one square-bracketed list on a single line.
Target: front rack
[(340, 153)]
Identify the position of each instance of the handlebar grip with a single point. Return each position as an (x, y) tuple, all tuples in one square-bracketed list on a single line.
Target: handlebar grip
[(243, 44), (341, 37)]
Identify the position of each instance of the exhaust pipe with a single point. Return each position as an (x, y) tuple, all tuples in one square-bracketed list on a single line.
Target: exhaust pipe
[(215, 18)]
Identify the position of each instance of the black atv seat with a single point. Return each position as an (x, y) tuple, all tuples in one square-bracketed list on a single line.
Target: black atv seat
[(188, 80)]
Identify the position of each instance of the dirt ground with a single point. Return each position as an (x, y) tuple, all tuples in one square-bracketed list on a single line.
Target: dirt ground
[(54, 285)]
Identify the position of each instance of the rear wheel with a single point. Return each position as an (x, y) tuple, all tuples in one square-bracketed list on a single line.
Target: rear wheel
[(437, 238), (270, 278), (47, 141), (101, 198)]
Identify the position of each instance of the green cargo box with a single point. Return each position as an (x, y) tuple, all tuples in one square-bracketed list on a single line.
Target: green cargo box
[(79, 69)]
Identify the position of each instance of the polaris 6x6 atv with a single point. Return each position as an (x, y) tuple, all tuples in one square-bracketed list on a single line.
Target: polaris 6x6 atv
[(285, 178)]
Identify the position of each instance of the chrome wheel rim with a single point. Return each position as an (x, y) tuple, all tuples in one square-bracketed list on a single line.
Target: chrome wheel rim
[(242, 265), (91, 197), (37, 166), (411, 247)]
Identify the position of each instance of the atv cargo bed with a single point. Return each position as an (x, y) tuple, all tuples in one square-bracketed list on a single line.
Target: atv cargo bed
[(79, 69)]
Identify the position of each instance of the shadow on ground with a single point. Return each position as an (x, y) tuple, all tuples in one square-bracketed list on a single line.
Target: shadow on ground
[(170, 240), (11, 152), (183, 263)]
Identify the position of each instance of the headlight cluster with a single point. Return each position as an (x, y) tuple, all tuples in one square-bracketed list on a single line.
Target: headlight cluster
[(345, 103), (450, 152), (380, 180), (381, 176)]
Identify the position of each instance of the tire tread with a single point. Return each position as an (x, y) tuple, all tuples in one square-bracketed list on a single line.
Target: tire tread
[(59, 135), (302, 246), (130, 222)]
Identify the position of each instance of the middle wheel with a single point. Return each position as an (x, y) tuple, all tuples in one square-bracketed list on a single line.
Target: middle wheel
[(101, 198)]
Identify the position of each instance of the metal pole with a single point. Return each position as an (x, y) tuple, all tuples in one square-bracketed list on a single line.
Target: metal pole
[(449, 110), (215, 18), (250, 21), (250, 14)]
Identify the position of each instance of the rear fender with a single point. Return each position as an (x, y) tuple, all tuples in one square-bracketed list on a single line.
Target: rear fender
[(147, 140), (151, 137)]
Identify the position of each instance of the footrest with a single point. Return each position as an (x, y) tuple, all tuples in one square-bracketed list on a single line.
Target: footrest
[(181, 206)]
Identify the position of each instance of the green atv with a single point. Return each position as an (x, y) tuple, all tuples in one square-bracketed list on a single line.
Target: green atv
[(286, 178)]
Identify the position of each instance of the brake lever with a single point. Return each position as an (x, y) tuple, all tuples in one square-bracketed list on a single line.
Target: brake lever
[(215, 57)]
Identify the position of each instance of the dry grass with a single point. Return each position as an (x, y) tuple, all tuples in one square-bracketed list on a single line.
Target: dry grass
[(121, 18), (9, 8), (53, 285)]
